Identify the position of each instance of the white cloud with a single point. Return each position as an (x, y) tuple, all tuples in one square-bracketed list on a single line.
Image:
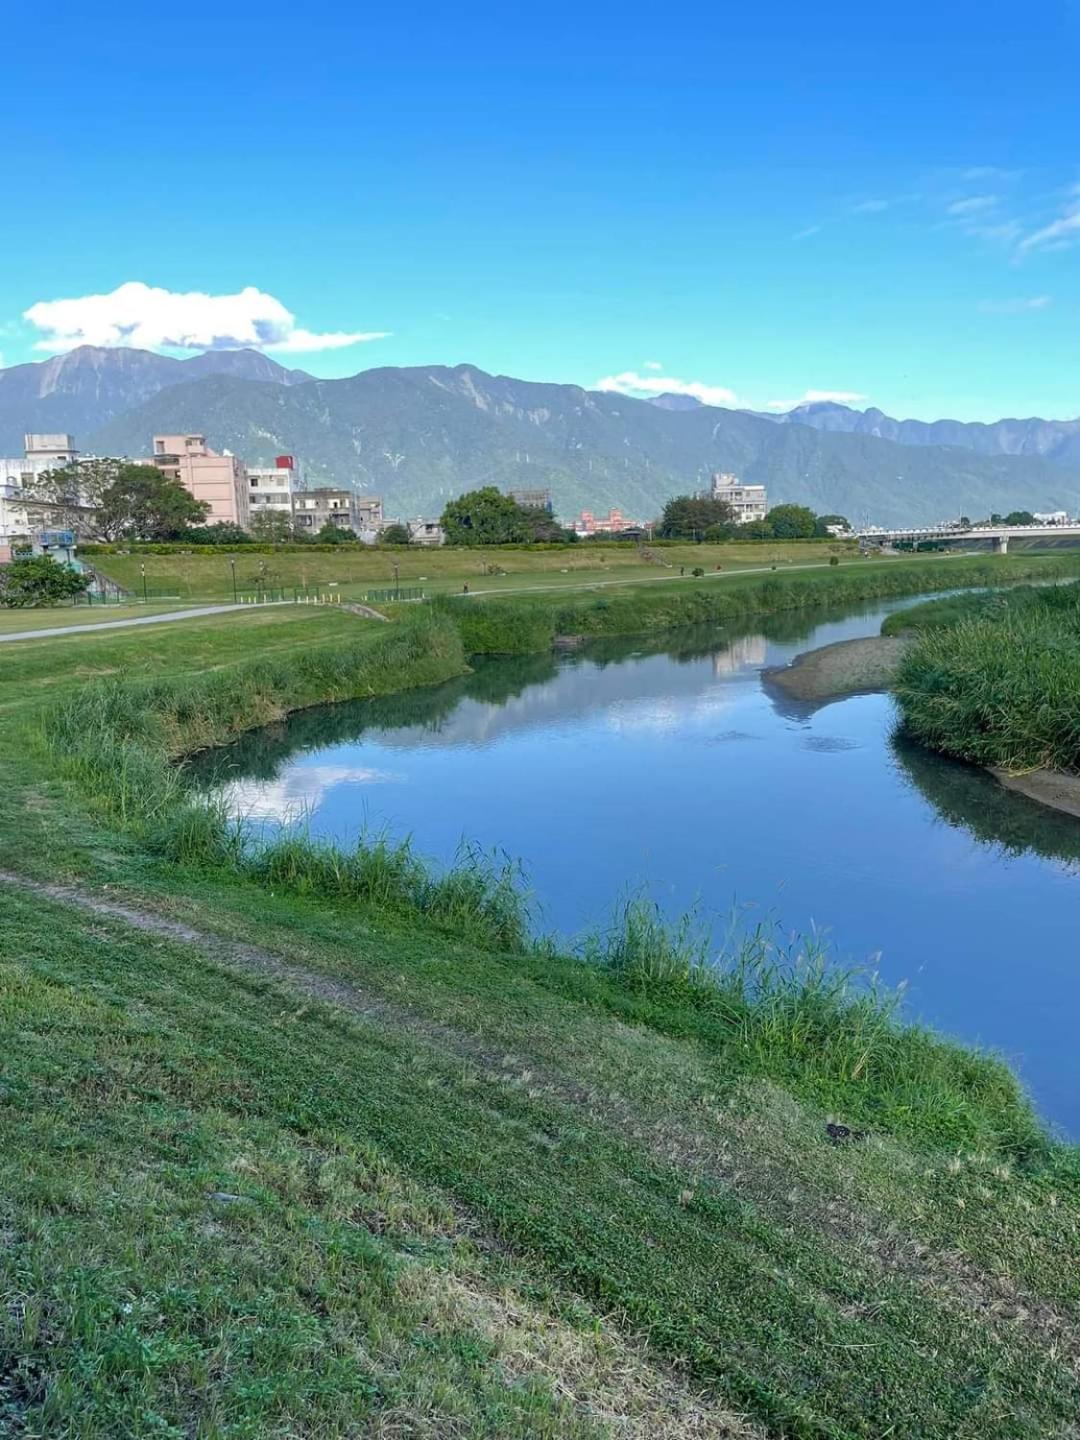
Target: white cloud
[(806, 232), (149, 318), (642, 386), (818, 397), (652, 365), (870, 207), (1058, 235), (973, 205), (1018, 306), (989, 172)]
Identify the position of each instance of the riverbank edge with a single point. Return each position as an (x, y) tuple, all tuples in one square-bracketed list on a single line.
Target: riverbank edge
[(867, 666)]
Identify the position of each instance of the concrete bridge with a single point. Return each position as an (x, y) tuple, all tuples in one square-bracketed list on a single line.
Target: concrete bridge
[(999, 535)]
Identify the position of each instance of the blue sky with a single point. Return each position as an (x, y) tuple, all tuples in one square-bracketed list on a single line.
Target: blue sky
[(762, 201)]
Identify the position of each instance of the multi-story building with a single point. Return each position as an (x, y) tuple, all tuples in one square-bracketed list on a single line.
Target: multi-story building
[(425, 532), (533, 499), (273, 488), (613, 523), (325, 505), (220, 480), (749, 502), (40, 453)]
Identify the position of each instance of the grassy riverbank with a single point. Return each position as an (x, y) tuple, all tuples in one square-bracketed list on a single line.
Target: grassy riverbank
[(357, 568), (993, 679), (303, 1143)]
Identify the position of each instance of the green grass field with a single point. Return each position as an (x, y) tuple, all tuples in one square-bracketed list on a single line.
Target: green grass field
[(280, 1162), (357, 569)]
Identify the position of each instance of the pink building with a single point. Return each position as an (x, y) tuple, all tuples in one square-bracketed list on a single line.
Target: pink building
[(220, 480), (613, 523)]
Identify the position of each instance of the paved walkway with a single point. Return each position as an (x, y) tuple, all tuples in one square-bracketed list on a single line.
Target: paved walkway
[(194, 613)]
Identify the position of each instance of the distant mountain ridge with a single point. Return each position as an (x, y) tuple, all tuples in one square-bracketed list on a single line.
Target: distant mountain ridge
[(89, 386), (1056, 440), (419, 435)]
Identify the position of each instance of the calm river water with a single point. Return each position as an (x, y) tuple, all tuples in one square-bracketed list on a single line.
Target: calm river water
[(677, 770)]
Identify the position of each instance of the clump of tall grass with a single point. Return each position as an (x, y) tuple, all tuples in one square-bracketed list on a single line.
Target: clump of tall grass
[(1000, 689), (783, 1008), (479, 897)]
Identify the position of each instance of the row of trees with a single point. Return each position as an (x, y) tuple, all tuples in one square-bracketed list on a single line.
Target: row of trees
[(116, 500), (692, 517)]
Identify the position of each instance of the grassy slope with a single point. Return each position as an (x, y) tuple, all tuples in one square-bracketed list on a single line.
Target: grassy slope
[(993, 679), (399, 1260), (357, 569)]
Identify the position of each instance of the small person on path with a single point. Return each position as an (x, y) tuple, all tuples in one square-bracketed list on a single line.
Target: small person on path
[(465, 588)]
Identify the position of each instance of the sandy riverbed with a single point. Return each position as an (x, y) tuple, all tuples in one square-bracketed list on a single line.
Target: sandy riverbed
[(850, 667)]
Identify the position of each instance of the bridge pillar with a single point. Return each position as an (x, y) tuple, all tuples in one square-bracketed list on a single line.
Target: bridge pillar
[(1001, 544)]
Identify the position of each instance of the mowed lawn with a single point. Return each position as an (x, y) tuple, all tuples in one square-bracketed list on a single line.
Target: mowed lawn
[(273, 1166), (60, 616), (358, 569)]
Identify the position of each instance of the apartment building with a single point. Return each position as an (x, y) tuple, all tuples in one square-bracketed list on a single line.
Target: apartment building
[(749, 502), (273, 488), (220, 480), (613, 523), (325, 505), (41, 452)]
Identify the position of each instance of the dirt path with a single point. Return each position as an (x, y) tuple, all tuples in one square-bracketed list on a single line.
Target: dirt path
[(875, 1237)]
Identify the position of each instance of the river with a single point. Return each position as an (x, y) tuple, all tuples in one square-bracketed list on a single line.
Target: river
[(672, 767)]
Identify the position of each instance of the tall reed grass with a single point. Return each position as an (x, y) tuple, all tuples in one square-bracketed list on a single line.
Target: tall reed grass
[(998, 683), (782, 1007), (519, 624)]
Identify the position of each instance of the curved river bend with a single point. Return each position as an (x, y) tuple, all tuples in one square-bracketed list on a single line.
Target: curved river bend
[(679, 770)]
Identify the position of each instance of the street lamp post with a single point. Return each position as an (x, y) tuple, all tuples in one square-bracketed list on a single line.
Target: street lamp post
[(142, 568), (232, 566), (397, 587)]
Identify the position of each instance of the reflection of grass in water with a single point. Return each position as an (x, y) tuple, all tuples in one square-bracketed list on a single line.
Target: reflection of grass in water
[(262, 754), (970, 799)]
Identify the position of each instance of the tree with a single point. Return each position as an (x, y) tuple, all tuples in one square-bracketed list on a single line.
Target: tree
[(689, 517), (395, 535), (37, 580), (110, 499), (485, 517), (1019, 517), (70, 497), (757, 530), (792, 522), (223, 532), (272, 527), (143, 504), (332, 534)]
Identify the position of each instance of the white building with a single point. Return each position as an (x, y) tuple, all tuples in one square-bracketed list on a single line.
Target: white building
[(273, 488), (425, 532), (40, 453), (1051, 517), (749, 502)]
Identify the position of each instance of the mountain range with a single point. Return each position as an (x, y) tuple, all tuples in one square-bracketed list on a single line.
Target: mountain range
[(419, 435), (1057, 440)]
